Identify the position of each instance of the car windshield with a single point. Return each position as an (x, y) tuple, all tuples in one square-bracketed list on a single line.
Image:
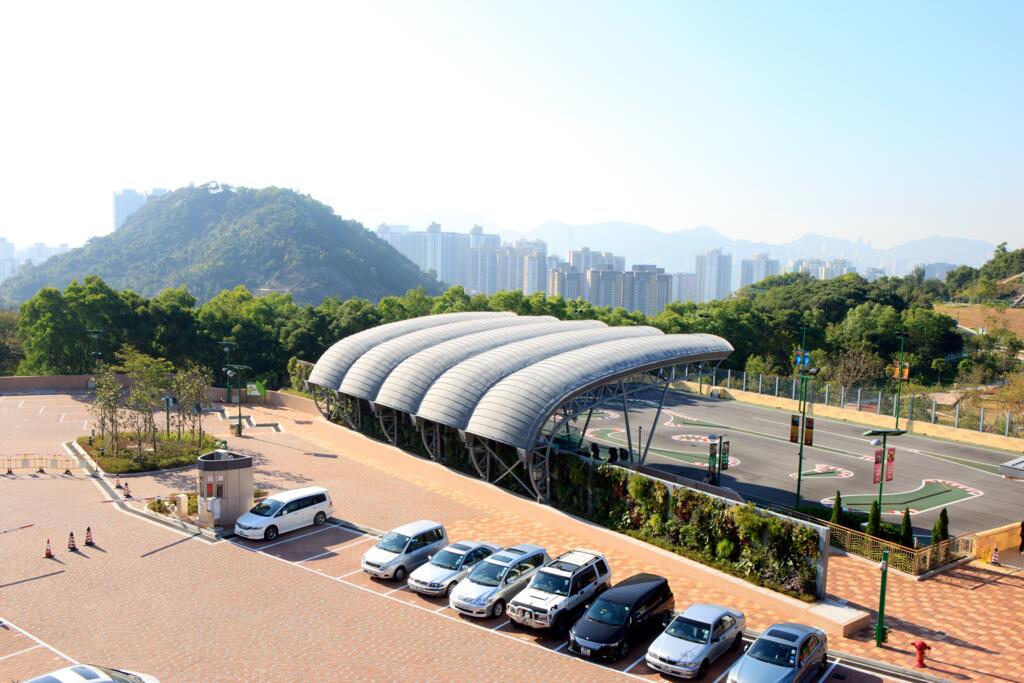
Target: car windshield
[(118, 676), (393, 542), (488, 574), (607, 612), (550, 583), (688, 629), (266, 508), (446, 559), (772, 652)]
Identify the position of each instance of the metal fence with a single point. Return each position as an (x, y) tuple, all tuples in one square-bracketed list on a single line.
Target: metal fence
[(880, 401), (38, 464)]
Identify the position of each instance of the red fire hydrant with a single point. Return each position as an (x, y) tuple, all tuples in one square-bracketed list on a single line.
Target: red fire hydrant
[(921, 648)]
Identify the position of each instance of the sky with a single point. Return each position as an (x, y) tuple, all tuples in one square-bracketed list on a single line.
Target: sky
[(875, 120)]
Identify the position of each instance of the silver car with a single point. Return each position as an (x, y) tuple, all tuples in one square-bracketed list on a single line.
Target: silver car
[(496, 580), (785, 653), (403, 549), (449, 566), (696, 638)]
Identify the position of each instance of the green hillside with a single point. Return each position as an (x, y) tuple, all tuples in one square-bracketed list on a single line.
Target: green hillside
[(214, 237)]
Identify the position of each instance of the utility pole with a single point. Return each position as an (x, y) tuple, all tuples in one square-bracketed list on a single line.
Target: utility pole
[(885, 434), (802, 361), (881, 632), (899, 377), (227, 345), (236, 371)]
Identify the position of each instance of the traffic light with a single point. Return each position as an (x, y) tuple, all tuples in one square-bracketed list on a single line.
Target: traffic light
[(724, 455), (809, 431), (794, 429)]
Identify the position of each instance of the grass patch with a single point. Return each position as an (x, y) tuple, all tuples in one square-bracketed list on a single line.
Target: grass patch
[(163, 506), (169, 453)]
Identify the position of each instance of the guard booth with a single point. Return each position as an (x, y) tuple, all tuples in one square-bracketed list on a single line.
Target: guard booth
[(224, 487)]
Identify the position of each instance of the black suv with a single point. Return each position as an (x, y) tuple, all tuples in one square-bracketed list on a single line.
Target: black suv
[(621, 616)]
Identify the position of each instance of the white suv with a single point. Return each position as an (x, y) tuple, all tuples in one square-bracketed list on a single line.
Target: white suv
[(560, 590)]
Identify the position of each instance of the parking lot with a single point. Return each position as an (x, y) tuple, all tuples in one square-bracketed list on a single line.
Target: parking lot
[(333, 553)]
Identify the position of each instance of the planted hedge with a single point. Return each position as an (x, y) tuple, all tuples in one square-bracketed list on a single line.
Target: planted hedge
[(737, 539)]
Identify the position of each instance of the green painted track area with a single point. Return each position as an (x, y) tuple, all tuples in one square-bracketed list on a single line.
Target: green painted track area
[(931, 494), (826, 472), (613, 436)]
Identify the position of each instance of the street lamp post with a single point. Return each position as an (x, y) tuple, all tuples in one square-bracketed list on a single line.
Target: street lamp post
[(236, 371), (227, 345), (881, 632), (885, 434), (899, 377), (806, 373), (94, 337)]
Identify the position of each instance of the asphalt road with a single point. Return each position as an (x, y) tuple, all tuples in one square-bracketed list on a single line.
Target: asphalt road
[(966, 476)]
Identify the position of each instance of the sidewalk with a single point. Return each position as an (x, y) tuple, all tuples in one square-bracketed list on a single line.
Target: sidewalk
[(972, 612)]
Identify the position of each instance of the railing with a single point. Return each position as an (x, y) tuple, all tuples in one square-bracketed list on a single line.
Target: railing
[(38, 464)]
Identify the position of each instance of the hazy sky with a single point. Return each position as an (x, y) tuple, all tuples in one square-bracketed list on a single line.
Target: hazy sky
[(887, 121)]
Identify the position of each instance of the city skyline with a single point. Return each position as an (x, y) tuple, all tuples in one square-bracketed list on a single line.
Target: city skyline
[(762, 121)]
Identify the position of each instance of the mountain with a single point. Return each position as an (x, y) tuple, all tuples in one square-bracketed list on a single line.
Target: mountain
[(215, 237), (675, 251)]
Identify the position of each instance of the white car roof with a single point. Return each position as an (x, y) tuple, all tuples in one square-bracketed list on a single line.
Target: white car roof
[(467, 546), (578, 556), (289, 496), (416, 528), (70, 675)]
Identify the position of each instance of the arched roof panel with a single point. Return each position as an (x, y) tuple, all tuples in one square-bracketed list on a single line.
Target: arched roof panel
[(366, 375), (407, 384), (454, 395), (514, 410), (329, 371)]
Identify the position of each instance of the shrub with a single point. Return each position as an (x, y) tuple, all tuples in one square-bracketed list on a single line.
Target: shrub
[(874, 527), (906, 530), (725, 549), (837, 509)]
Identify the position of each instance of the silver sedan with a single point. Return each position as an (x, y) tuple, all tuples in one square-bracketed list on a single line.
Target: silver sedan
[(696, 638)]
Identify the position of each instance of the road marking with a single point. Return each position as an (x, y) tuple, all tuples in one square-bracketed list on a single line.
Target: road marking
[(5, 622), (502, 625), (559, 648), (341, 547), (828, 672), (630, 667), (19, 652), (295, 538), (395, 590), (338, 578), (443, 608), (722, 675)]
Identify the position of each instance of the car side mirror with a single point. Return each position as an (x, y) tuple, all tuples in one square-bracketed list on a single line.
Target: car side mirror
[(746, 646), (429, 557)]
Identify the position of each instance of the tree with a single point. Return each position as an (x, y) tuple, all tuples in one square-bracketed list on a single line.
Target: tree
[(906, 530), (453, 300), (874, 527), (106, 407), (148, 382), (10, 346), (837, 509), (855, 366), (944, 525)]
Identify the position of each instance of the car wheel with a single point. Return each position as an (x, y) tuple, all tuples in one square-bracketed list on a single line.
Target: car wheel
[(449, 589), (736, 642), (622, 650), (703, 670), (498, 609), (270, 534), (558, 627), (319, 519), (399, 574)]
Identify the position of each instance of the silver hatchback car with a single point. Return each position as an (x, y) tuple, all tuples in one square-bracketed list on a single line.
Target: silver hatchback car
[(496, 580), (403, 549), (695, 639), (449, 566), (785, 653)]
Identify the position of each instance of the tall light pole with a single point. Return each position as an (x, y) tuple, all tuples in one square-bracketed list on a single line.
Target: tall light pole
[(236, 371), (94, 336), (899, 376), (227, 345), (806, 373), (881, 632), (885, 434)]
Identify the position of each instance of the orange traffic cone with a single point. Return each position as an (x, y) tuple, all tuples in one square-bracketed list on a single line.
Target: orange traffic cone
[(117, 481), (995, 556), (49, 553), (127, 491), (88, 536), (71, 542)]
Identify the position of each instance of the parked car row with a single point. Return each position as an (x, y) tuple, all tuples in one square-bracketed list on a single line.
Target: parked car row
[(574, 593)]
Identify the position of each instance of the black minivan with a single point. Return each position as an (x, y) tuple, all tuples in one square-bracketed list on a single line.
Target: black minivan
[(622, 616)]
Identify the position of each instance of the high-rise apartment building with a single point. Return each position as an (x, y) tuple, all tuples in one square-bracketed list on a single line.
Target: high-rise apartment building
[(604, 285), (646, 288), (455, 258), (684, 287), (128, 201), (872, 273), (714, 275), (757, 268)]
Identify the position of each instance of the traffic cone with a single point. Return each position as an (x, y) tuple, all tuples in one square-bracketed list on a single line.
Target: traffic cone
[(49, 553), (127, 492), (995, 556), (117, 481), (88, 536), (71, 542)]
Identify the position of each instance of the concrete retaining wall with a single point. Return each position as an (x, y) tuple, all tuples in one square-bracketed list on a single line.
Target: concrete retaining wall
[(43, 383), (1002, 537), (868, 419)]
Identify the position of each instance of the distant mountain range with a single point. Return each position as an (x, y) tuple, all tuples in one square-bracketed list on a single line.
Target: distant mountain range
[(215, 237), (675, 251)]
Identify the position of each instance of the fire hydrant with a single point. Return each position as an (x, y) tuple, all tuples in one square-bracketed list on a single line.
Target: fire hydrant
[(921, 648)]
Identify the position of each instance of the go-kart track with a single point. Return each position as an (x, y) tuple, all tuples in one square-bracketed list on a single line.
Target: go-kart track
[(929, 473)]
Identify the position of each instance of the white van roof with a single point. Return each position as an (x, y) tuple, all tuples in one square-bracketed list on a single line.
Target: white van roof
[(289, 496), (416, 528)]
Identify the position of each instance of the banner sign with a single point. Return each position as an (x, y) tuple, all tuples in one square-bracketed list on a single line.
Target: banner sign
[(878, 466), (809, 431), (890, 464), (255, 388), (725, 455), (794, 428)]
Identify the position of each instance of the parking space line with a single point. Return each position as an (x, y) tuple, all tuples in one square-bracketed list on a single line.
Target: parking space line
[(295, 538), (559, 648), (828, 672), (354, 571), (5, 622), (441, 609), (20, 652), (340, 547), (395, 590), (639, 659), (722, 675), (502, 625)]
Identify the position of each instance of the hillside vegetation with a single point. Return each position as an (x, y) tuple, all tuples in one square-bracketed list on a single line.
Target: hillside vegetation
[(213, 237)]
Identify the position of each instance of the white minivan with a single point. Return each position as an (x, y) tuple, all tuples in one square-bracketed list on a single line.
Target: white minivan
[(285, 511)]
